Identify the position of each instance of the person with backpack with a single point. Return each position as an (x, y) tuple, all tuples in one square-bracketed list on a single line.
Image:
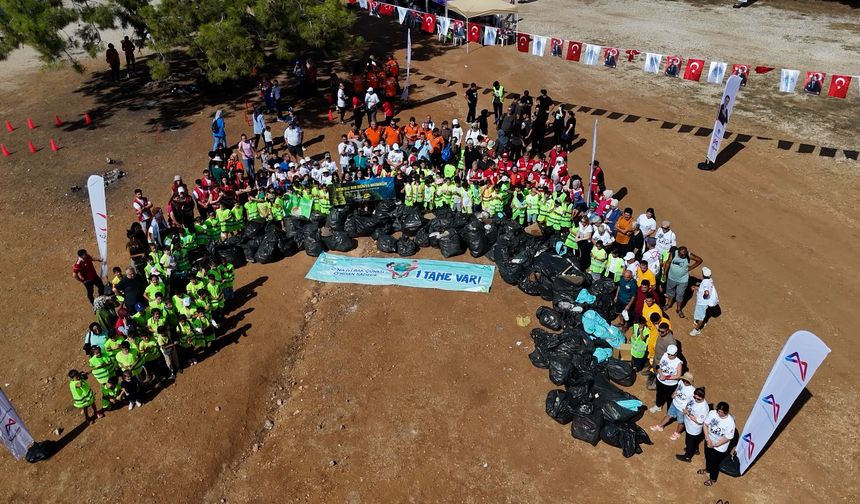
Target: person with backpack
[(219, 134)]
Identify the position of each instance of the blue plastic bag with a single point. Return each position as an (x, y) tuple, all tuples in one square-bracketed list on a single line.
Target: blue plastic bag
[(602, 354), (585, 297)]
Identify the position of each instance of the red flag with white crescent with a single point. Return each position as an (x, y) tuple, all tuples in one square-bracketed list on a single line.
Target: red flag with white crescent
[(386, 10), (631, 54), (574, 50), (428, 23), (694, 68), (839, 86), (523, 42), (474, 32)]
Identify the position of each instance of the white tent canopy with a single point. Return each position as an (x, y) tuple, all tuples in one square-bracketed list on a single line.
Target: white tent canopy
[(476, 8)]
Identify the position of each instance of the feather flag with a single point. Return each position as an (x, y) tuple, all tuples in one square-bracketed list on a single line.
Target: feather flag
[(694, 69), (539, 45), (788, 80), (490, 35), (652, 63), (839, 86), (574, 50), (592, 54), (716, 72)]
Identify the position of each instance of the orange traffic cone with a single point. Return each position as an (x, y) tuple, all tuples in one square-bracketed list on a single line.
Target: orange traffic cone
[(9, 126), (330, 115), (6, 152), (54, 146), (87, 119), (30, 123), (32, 147), (57, 121)]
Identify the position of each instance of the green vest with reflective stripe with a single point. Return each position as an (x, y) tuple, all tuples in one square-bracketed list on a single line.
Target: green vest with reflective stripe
[(251, 210), (639, 341), (598, 260), (82, 393), (570, 241), (533, 204), (103, 367), (546, 209), (499, 94), (181, 258), (614, 268)]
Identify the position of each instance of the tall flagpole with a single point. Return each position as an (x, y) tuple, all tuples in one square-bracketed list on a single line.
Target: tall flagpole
[(591, 166)]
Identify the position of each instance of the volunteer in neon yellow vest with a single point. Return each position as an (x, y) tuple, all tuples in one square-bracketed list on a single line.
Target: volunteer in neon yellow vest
[(639, 344), (83, 397), (598, 259)]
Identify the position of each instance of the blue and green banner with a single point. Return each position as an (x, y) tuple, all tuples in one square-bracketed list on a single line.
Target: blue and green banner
[(362, 191), (423, 273)]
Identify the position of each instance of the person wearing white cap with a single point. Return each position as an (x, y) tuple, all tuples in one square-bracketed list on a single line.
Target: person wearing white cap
[(682, 395), (630, 262), (668, 374), (395, 157), (707, 302), (371, 102), (456, 131)]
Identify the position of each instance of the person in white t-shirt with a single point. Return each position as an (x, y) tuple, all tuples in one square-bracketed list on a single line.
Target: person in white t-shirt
[(665, 238), (694, 417), (668, 374), (707, 302), (647, 223), (682, 395), (719, 430), (346, 151), (456, 131), (652, 256)]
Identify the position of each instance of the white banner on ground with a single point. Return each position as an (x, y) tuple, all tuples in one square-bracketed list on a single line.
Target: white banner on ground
[(490, 35), (538, 45), (15, 435), (404, 96), (652, 63), (727, 102), (801, 356), (401, 14), (788, 80), (716, 72), (96, 189)]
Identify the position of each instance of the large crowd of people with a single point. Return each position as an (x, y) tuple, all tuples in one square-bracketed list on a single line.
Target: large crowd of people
[(161, 314)]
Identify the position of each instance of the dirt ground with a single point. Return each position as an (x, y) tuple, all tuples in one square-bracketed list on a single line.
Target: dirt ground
[(338, 393)]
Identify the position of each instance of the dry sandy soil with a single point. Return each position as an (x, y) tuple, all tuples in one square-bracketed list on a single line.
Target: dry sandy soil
[(412, 395)]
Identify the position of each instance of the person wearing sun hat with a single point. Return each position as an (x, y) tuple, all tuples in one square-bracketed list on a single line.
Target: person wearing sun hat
[(707, 302), (682, 395)]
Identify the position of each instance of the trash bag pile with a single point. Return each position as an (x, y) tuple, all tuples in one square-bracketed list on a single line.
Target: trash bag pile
[(579, 358)]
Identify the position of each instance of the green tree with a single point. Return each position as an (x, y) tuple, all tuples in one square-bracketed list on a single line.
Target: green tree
[(226, 38)]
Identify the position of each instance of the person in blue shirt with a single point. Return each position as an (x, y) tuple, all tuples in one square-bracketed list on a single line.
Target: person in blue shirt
[(219, 134)]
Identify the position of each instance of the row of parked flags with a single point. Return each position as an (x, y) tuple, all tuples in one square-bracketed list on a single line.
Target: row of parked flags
[(591, 54)]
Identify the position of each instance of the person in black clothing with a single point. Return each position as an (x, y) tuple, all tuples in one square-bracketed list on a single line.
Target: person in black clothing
[(112, 58), (526, 102), (128, 48), (472, 101), (470, 155), (484, 122), (544, 102), (131, 389), (569, 131), (132, 288), (558, 125)]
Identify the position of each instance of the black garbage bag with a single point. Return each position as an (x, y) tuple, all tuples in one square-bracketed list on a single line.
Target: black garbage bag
[(579, 389), (411, 220), (584, 409), (293, 227), (249, 250), (340, 241), (422, 238), (511, 270), (318, 218), (233, 254), (476, 241), (337, 217), (287, 246), (41, 450), (314, 245), (386, 209), (549, 318), (268, 251), (586, 427), (491, 231), (384, 228), (730, 465), (233, 240), (545, 339), (361, 225), (614, 412), (559, 407), (620, 372), (583, 363), (386, 243), (621, 436), (639, 434), (254, 228), (450, 244), (539, 359), (406, 247), (559, 368)]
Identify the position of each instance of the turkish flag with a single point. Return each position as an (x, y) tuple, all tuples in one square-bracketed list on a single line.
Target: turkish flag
[(839, 86), (386, 9), (523, 42), (474, 32), (428, 23), (574, 50), (693, 71), (763, 69), (631, 54)]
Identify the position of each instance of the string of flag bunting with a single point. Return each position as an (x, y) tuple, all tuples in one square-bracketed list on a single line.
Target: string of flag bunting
[(590, 54)]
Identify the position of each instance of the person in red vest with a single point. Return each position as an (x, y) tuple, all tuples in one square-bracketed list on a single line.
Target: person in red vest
[(598, 185), (84, 272), (392, 67)]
